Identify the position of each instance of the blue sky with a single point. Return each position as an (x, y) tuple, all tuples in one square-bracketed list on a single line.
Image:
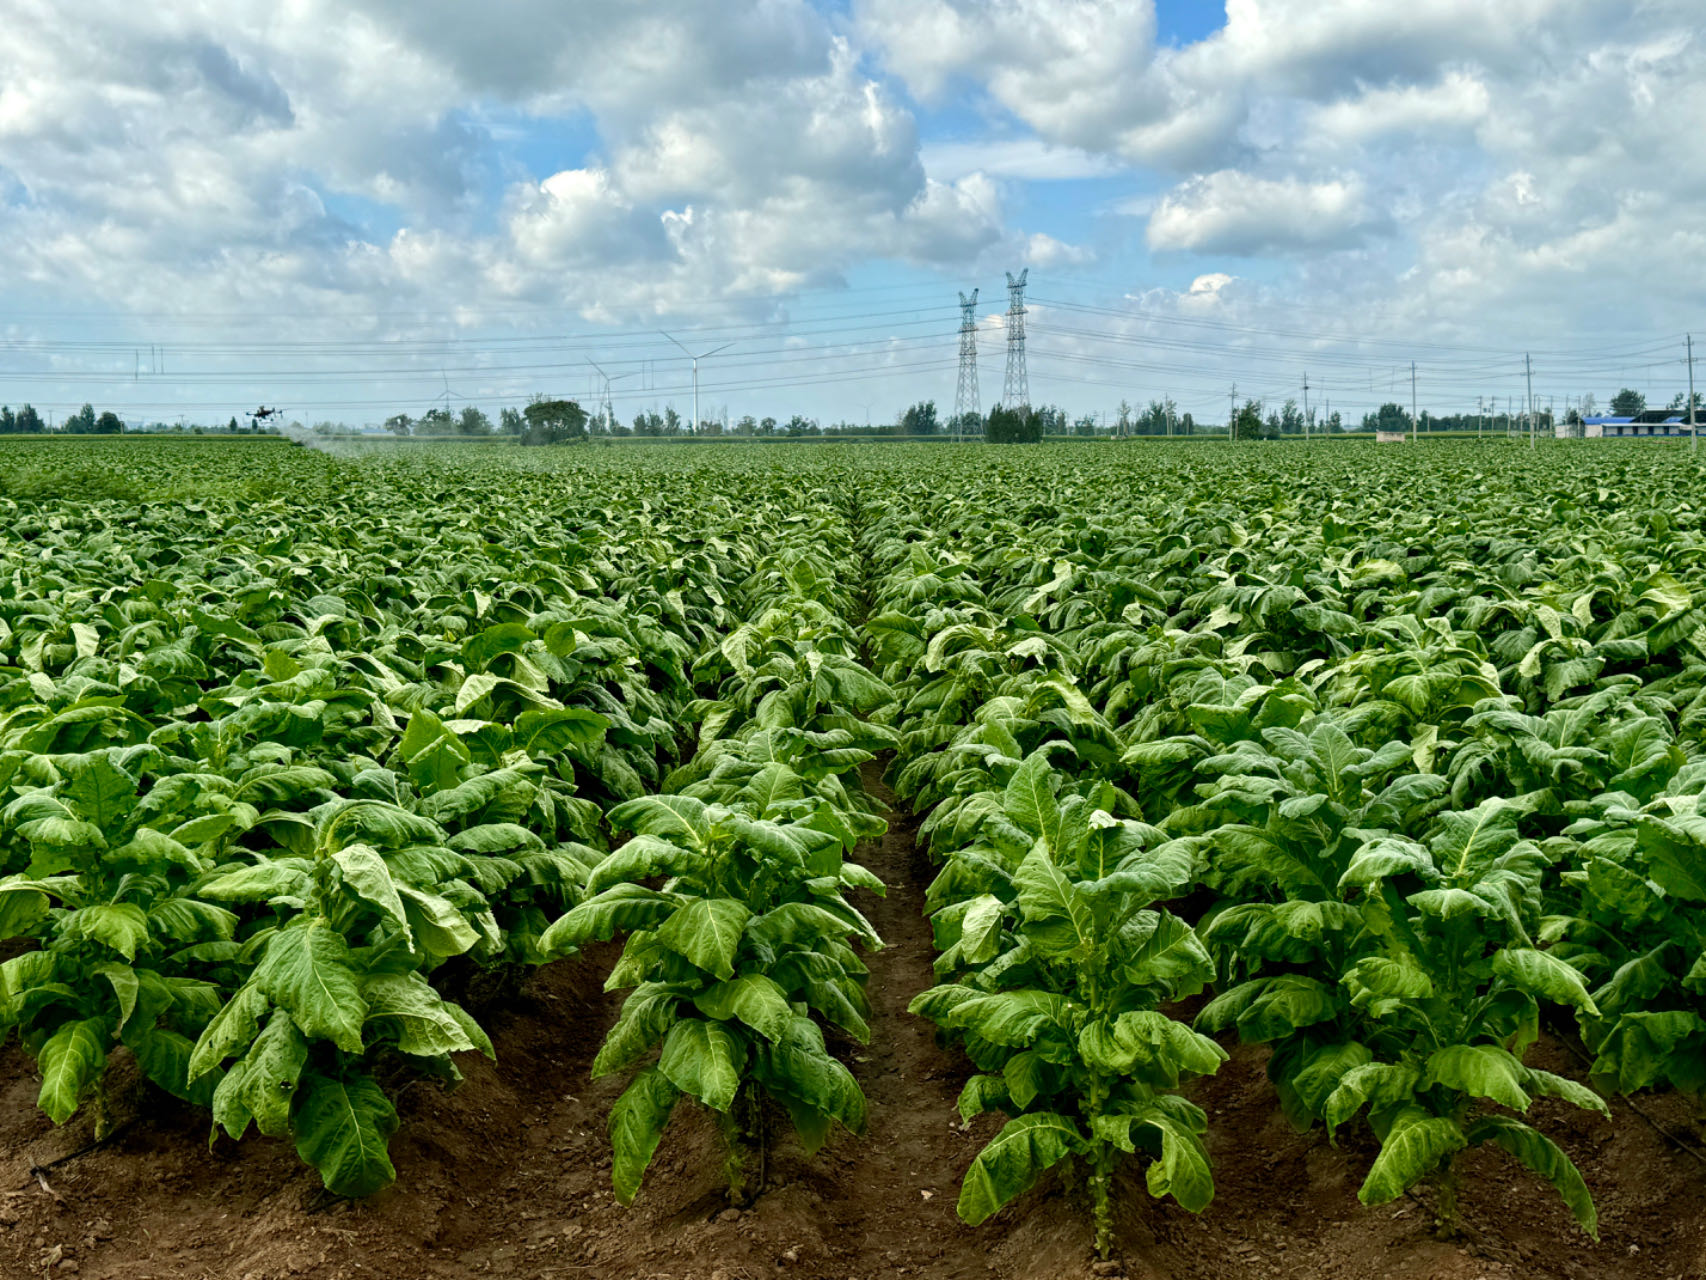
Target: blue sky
[(341, 207)]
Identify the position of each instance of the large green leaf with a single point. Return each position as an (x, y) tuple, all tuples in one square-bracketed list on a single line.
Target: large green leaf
[(752, 998), (102, 792), (1642, 1047), (1014, 1159), (307, 971), (1544, 1157), (343, 1126), (1183, 1169), (123, 926), (703, 1059), (1417, 1144), (1057, 919), (620, 908), (637, 1121), (1029, 799), (648, 1013), (230, 1031), (1151, 1046), (417, 1016), (643, 858), (435, 922), (1481, 1071), (1543, 975), (668, 817), (980, 928), (1469, 840), (366, 875), (271, 1073), (708, 932), (1380, 1086), (1676, 855), (71, 1060), (798, 1065)]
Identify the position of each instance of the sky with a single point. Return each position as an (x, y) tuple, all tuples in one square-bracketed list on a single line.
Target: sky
[(352, 208)]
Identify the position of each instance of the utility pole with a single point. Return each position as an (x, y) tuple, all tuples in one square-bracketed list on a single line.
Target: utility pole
[(1305, 406), (1528, 372), (1412, 402), (696, 359), (1477, 419), (1693, 434)]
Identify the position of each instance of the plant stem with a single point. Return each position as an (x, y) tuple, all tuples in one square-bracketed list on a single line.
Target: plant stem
[(1445, 1186)]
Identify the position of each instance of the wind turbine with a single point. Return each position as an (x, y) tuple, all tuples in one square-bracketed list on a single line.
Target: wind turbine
[(606, 407), (696, 359)]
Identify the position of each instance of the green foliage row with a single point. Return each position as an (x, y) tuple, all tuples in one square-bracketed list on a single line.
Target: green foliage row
[(1415, 742), (1391, 759)]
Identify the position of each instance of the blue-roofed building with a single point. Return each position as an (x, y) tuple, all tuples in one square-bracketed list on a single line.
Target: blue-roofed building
[(1645, 426)]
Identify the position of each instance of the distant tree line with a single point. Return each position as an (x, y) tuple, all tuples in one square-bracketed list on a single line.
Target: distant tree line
[(85, 422), (26, 421)]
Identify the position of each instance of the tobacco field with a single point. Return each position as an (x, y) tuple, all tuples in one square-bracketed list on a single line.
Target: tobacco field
[(852, 860)]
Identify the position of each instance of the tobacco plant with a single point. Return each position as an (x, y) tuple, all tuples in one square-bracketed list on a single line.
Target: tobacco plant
[(1064, 964)]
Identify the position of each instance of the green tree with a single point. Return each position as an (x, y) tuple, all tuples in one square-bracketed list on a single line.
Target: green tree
[(8, 420), (1085, 426), (399, 424), (109, 424), (473, 422), (919, 419), (1156, 416), (1012, 426), (82, 423), (510, 422), (435, 422), (1628, 403), (28, 421), (1392, 417), (1247, 424), (554, 422)]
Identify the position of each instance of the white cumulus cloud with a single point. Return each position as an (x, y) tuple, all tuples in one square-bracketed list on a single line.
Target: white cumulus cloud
[(1240, 214)]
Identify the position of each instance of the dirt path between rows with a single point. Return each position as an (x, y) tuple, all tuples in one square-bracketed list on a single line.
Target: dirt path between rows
[(509, 1175)]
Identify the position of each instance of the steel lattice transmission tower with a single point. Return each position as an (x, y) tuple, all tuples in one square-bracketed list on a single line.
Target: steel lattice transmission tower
[(1016, 391), (965, 395)]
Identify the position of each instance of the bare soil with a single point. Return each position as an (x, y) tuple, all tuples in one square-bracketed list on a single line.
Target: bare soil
[(509, 1175)]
